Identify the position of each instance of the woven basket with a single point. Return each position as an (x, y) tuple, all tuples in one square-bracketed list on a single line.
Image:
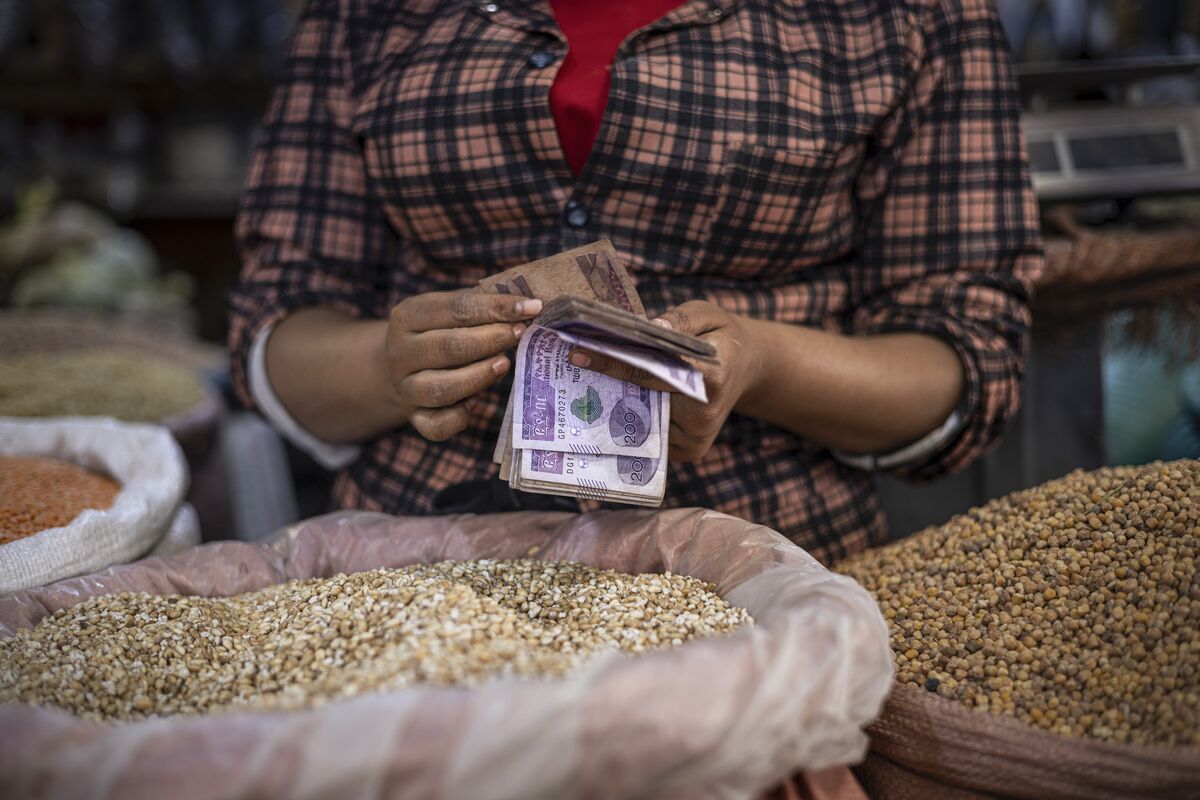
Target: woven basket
[(1089, 275), (1089, 259), (927, 747)]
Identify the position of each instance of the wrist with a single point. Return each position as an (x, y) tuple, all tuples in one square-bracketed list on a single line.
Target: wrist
[(377, 375), (326, 368), (757, 354)]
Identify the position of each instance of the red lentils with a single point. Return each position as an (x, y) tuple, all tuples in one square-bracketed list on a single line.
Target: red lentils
[(41, 493)]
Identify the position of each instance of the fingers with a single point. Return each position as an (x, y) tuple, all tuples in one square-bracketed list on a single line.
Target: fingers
[(456, 347), (689, 453), (683, 446), (463, 309), (696, 318), (438, 388), (587, 359), (439, 424), (444, 397)]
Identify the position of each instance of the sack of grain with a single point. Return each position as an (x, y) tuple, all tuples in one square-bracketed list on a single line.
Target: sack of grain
[(146, 463), (49, 355), (182, 534), (1047, 644), (924, 747), (723, 717)]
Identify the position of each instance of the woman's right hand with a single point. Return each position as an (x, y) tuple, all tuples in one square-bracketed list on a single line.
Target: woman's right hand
[(443, 348)]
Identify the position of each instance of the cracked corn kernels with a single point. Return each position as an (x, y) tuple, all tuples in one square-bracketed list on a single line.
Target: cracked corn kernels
[(1073, 606), (305, 642)]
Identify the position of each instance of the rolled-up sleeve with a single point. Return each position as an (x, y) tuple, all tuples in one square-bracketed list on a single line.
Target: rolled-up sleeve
[(309, 231), (953, 242)]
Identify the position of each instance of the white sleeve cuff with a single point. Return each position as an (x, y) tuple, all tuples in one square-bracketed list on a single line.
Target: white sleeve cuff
[(330, 456), (914, 453)]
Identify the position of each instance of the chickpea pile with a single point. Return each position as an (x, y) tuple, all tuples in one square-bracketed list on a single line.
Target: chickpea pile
[(1073, 606)]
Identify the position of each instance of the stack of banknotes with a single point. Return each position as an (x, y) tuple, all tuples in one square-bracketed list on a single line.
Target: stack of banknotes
[(575, 432)]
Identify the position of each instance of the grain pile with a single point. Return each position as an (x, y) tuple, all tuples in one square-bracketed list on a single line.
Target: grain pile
[(305, 642), (1074, 606), (119, 383), (41, 493)]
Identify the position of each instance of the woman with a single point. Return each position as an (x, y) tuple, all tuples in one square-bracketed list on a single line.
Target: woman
[(833, 192)]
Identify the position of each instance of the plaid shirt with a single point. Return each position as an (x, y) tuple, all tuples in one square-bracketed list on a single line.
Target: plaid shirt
[(853, 165)]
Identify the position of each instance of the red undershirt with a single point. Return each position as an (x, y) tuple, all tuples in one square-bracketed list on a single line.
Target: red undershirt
[(579, 93)]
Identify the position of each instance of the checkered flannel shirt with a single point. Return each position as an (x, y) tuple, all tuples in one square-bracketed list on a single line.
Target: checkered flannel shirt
[(852, 165)]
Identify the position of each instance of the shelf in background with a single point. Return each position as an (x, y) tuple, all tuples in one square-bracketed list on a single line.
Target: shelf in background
[(76, 98)]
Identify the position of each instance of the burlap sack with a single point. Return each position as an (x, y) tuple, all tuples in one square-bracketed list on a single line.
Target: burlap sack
[(721, 718), (925, 747)]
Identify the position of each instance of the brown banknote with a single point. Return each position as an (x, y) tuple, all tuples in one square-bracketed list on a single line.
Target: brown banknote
[(593, 271)]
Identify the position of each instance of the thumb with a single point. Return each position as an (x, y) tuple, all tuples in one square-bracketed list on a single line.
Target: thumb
[(587, 359), (695, 318)]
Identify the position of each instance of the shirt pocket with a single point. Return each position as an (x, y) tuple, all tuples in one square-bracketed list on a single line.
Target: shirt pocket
[(779, 210)]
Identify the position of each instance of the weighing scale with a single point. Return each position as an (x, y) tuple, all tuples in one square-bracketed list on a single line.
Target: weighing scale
[(1086, 151)]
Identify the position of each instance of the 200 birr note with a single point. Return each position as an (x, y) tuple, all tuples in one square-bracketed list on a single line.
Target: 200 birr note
[(558, 406), (632, 479)]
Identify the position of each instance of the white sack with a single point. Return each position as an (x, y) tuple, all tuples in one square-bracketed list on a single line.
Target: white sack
[(184, 532), (144, 459)]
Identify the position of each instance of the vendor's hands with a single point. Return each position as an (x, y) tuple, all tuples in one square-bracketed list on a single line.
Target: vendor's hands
[(443, 348), (735, 372)]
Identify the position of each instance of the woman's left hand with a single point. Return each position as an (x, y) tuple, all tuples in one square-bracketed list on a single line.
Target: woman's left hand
[(736, 371)]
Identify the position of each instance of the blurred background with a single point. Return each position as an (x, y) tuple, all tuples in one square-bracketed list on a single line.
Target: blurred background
[(126, 125)]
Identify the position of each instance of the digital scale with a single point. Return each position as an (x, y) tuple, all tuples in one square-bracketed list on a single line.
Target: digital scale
[(1101, 151)]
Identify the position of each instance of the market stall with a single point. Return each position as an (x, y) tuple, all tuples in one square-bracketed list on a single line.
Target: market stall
[(650, 399)]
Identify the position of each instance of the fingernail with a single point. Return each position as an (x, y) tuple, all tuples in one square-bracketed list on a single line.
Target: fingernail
[(581, 359), (529, 307), (519, 330), (662, 323), (471, 403), (500, 366)]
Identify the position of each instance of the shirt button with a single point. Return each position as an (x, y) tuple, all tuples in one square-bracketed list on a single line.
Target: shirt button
[(577, 214), (542, 59), (489, 8)]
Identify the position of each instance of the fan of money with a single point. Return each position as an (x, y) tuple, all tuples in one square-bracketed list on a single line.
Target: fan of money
[(630, 339), (571, 431)]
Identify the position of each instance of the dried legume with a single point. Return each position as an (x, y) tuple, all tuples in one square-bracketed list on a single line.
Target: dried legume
[(41, 493), (1074, 606), (117, 383)]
